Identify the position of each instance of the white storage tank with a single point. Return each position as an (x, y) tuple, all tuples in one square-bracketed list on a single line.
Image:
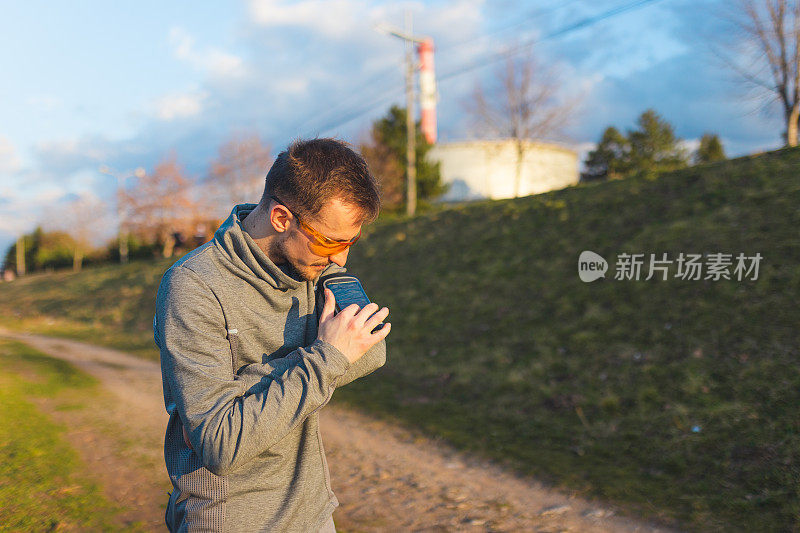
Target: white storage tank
[(487, 169)]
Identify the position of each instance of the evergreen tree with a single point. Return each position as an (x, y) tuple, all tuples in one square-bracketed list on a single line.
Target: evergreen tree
[(610, 159), (710, 149), (654, 146), (649, 150), (385, 153)]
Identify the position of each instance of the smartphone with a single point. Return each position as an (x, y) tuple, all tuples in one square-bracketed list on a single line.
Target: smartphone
[(348, 291)]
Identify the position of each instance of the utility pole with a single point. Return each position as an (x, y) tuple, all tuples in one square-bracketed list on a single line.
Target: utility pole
[(411, 134), (411, 137), (123, 234)]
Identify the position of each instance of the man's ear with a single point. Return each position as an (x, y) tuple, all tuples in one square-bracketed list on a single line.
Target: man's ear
[(279, 218)]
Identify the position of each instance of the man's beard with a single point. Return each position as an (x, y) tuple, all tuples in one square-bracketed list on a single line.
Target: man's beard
[(298, 271)]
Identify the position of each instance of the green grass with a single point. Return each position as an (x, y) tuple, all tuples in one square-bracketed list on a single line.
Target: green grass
[(110, 305), (500, 348), (42, 487)]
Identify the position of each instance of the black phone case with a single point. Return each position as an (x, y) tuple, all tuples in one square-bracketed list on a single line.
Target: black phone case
[(320, 293)]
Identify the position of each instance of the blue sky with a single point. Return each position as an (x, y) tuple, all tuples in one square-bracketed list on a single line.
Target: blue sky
[(121, 84)]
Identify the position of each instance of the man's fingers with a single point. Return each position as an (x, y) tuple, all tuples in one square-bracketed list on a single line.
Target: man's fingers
[(329, 307), (383, 332), (363, 315), (376, 319), (348, 312)]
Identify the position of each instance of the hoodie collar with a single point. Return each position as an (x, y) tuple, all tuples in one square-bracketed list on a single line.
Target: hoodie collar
[(243, 251)]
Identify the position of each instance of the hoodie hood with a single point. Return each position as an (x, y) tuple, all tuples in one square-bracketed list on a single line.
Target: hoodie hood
[(245, 254)]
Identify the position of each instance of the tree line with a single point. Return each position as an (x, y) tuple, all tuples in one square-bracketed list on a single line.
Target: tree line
[(166, 211), (647, 150), (160, 211)]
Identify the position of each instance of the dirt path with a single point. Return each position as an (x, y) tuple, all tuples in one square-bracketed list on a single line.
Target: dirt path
[(386, 478)]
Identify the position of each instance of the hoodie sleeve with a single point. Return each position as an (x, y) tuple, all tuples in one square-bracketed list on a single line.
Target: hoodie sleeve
[(369, 362), (228, 421)]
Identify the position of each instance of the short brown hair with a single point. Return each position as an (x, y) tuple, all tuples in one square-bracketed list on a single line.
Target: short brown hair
[(311, 172)]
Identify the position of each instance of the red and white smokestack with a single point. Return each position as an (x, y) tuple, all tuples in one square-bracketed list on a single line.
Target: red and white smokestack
[(427, 89)]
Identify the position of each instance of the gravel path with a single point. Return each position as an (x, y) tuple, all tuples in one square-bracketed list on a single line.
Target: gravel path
[(386, 478)]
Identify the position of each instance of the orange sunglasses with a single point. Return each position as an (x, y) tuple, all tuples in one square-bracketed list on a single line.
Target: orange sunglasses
[(319, 244)]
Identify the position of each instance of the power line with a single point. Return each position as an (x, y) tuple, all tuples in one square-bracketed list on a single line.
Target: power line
[(584, 23), (388, 94), (362, 110), (353, 97), (534, 15), (581, 24)]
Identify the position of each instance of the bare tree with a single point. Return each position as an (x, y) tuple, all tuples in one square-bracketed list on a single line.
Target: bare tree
[(79, 224), (770, 54), (524, 102), (160, 205), (237, 174), (387, 170), (82, 220)]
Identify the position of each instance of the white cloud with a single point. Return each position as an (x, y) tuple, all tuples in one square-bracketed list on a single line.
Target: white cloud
[(332, 18), (21, 206), (345, 68), (42, 101), (181, 42), (217, 63), (355, 20), (9, 160), (320, 67), (82, 214), (175, 106), (70, 153), (59, 147), (690, 145), (223, 64), (47, 195), (16, 219), (50, 205)]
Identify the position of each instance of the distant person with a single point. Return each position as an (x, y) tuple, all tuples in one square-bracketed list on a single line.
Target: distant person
[(249, 355)]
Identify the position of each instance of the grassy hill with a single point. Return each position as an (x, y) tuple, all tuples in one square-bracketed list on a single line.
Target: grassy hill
[(677, 398)]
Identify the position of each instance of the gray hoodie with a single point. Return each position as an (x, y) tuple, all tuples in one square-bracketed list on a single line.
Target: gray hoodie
[(244, 372)]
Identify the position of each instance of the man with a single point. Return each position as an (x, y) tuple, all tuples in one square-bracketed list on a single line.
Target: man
[(248, 358)]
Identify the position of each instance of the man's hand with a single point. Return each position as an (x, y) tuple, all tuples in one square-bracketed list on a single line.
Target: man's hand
[(351, 330)]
